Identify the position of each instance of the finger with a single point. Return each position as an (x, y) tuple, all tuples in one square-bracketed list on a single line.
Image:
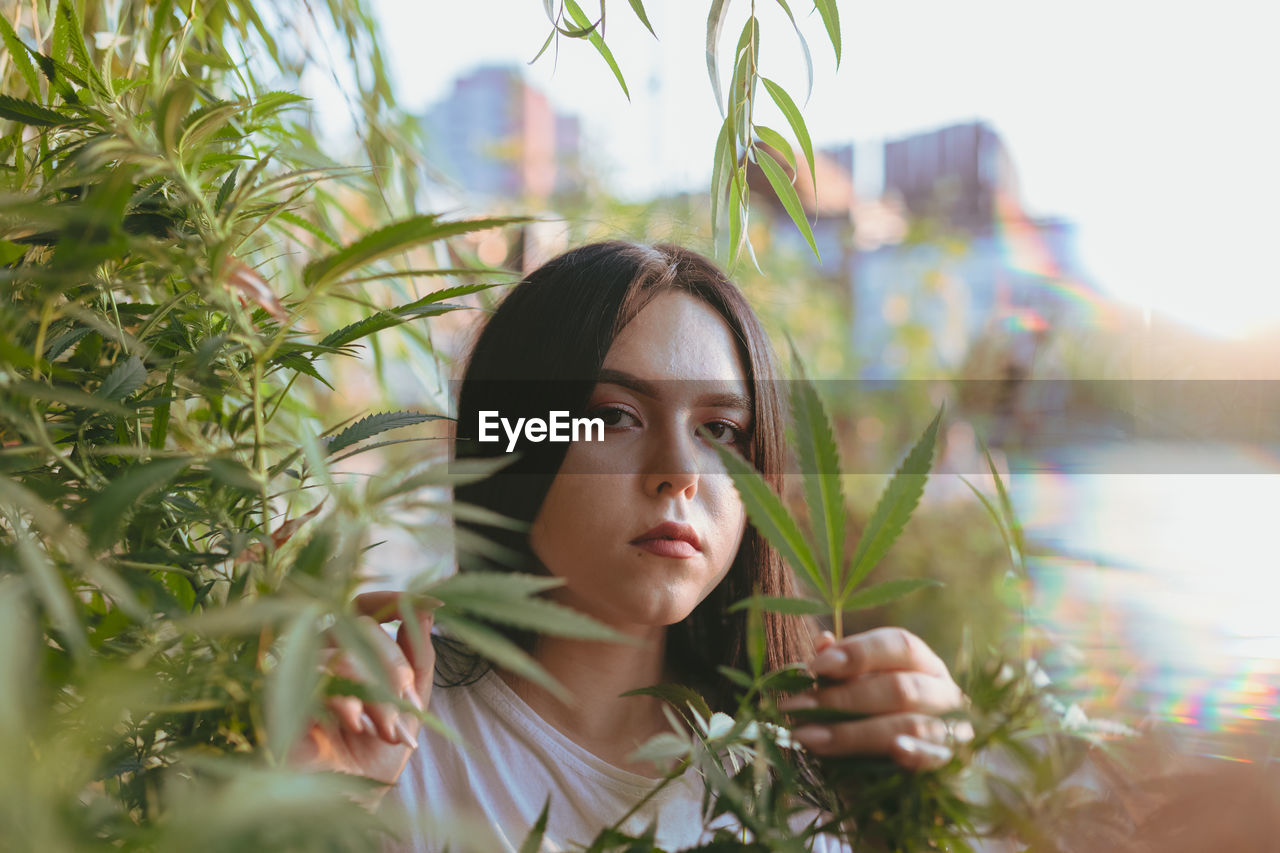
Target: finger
[(825, 640), (414, 640), (886, 693), (878, 650), (398, 673), (380, 605), (875, 736), (349, 712)]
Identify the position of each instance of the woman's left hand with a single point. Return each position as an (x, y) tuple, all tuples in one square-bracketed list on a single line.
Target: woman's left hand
[(892, 676)]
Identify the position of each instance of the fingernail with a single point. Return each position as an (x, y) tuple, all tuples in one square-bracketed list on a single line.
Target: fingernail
[(797, 703), (829, 661), (934, 755), (812, 735), (406, 736), (412, 697), (367, 725)]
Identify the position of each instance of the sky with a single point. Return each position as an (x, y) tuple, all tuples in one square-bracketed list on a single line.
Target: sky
[(1149, 124)]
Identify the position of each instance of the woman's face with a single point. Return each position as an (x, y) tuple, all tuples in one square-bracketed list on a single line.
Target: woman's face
[(643, 525)]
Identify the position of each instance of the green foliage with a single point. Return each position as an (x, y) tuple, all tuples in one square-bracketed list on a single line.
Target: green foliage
[(742, 140), (177, 545)]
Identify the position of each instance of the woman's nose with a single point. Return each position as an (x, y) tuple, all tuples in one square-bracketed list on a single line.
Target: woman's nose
[(672, 466)]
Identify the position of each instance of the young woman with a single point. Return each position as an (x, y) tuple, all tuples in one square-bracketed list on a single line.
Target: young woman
[(650, 537)]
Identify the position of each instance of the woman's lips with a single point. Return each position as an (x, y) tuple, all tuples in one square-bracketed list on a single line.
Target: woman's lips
[(667, 547), (670, 539)]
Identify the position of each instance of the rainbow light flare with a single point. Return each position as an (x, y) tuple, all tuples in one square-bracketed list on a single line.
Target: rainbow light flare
[(1025, 250), (1135, 631)]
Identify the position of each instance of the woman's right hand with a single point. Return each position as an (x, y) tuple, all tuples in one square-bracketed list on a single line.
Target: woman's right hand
[(368, 739)]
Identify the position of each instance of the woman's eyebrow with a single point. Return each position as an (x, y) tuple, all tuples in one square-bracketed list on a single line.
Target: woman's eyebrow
[(648, 388)]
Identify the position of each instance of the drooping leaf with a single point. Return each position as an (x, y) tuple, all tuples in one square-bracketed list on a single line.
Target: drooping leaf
[(638, 7), (125, 378), (831, 20), (769, 515), (820, 461), (894, 508), (373, 424), (777, 142), (715, 26), (593, 36), (796, 120), (887, 592), (787, 195), (397, 237)]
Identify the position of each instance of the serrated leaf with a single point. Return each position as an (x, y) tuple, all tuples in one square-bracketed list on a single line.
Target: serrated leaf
[(501, 651), (593, 36), (374, 424), (792, 114), (228, 187), (820, 461), (888, 592), (125, 378), (769, 515), (294, 684), (26, 112), (681, 697), (894, 508), (394, 238), (787, 195), (106, 512), (782, 604), (831, 20), (385, 320), (18, 55)]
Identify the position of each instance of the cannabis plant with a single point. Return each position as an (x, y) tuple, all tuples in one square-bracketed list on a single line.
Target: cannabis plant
[(177, 540)]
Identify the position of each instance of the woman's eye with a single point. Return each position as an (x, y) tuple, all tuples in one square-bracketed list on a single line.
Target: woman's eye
[(723, 432), (614, 416)]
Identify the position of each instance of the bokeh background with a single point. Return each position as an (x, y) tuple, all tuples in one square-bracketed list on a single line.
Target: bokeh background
[(1056, 218)]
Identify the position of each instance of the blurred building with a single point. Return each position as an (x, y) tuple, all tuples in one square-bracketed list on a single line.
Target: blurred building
[(498, 137), (972, 270)]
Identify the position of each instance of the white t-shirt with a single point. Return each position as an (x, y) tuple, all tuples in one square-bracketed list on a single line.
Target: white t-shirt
[(486, 793)]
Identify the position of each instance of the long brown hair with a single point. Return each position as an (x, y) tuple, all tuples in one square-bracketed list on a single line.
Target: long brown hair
[(542, 350)]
